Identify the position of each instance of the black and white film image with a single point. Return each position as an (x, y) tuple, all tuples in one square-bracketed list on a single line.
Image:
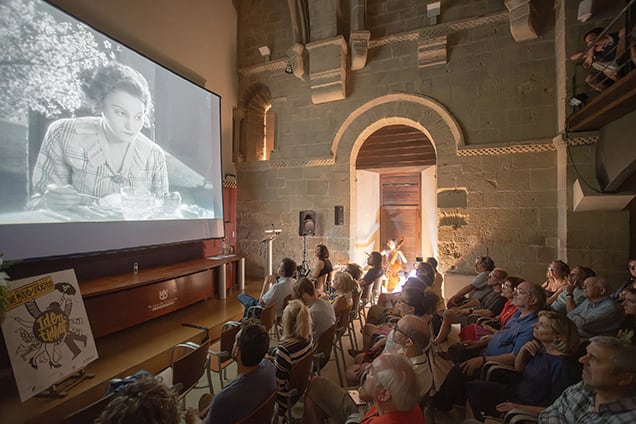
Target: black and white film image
[(92, 131)]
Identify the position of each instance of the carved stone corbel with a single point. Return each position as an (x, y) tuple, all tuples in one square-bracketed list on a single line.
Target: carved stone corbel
[(522, 14), (327, 73), (296, 60), (432, 52), (359, 47)]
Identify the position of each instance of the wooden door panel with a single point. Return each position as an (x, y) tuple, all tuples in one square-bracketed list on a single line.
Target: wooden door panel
[(402, 222)]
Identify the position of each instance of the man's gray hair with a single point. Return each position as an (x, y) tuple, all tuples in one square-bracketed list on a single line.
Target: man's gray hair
[(400, 380), (624, 353)]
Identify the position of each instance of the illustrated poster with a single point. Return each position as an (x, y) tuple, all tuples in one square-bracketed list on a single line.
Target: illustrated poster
[(47, 332)]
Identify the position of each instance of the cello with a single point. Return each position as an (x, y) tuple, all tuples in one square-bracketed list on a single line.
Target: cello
[(393, 267)]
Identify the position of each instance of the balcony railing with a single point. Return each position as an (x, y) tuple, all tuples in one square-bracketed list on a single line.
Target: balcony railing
[(610, 57)]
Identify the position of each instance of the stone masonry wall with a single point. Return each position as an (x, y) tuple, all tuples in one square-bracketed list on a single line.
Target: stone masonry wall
[(499, 92)]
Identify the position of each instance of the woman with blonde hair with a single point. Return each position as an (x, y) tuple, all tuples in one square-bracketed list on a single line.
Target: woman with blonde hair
[(547, 364), (295, 345), (343, 285)]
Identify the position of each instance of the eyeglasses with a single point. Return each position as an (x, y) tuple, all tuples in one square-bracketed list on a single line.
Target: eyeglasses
[(506, 285), (397, 329)]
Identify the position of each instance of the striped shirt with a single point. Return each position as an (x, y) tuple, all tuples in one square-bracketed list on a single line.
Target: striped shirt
[(288, 353)]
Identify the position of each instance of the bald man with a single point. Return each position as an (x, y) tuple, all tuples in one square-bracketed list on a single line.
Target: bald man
[(598, 315)]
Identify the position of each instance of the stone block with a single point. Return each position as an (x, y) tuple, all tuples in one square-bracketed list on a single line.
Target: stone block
[(456, 198), (543, 178)]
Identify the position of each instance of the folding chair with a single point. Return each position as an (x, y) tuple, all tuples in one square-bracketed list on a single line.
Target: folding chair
[(323, 349), (265, 315), (297, 384), (221, 359), (342, 327), (189, 367)]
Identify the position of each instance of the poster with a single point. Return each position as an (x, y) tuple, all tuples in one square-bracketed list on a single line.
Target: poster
[(47, 332)]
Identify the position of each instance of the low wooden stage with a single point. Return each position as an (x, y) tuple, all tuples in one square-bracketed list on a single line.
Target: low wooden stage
[(144, 346)]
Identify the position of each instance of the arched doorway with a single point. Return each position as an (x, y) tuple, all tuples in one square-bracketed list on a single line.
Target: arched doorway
[(395, 168), (419, 113), (399, 156)]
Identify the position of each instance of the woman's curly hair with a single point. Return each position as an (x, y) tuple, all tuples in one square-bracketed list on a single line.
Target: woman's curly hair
[(145, 401), (99, 82)]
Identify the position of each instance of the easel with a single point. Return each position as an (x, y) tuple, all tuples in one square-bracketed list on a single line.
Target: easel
[(269, 238), (60, 390)]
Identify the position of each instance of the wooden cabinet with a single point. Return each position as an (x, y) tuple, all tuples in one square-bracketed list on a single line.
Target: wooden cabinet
[(122, 301)]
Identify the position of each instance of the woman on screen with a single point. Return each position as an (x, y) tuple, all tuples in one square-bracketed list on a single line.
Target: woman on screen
[(87, 158)]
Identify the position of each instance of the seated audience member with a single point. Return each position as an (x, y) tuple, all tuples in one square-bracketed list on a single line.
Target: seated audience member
[(368, 282), (490, 305), (478, 287), (501, 347), (598, 315), (354, 270), (600, 55), (321, 268), (627, 332), (322, 313), (255, 380), (607, 393), (630, 281), (274, 290), (476, 331), (295, 344), (573, 290), (421, 279), (438, 284), (390, 385), (547, 366), (412, 301), (145, 401), (343, 286), (557, 279), (410, 337)]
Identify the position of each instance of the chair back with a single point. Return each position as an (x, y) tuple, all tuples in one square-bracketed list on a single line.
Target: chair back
[(324, 347), (263, 413), (268, 316), (90, 412), (190, 367), (342, 320), (299, 375), (228, 335)]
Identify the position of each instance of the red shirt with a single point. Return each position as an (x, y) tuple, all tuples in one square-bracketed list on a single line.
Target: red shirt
[(413, 416), (508, 310)]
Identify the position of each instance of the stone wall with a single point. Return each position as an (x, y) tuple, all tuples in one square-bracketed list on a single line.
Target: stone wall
[(489, 111)]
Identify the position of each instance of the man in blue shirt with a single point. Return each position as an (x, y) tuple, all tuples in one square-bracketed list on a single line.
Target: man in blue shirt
[(255, 380), (502, 347)]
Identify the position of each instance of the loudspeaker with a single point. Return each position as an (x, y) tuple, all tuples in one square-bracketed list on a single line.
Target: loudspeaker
[(307, 223), (338, 215)]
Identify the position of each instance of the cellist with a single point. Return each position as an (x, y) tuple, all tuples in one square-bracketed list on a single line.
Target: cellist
[(394, 261)]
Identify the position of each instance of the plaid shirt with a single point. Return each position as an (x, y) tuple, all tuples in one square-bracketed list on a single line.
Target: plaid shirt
[(576, 406), (73, 153)]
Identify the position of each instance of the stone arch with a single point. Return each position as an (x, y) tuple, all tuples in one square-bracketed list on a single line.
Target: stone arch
[(254, 122), (419, 112)]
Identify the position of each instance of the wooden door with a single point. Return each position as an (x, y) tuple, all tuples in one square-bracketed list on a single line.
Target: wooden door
[(400, 212)]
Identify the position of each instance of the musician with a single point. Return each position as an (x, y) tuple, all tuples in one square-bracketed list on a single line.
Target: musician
[(321, 268), (394, 260)]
